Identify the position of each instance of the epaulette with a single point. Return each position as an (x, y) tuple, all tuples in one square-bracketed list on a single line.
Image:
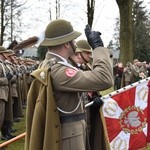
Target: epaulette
[(41, 74)]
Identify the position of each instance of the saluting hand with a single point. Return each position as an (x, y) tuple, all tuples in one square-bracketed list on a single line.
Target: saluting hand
[(93, 37)]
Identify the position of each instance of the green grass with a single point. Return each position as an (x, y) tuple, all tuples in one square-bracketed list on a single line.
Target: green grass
[(103, 93), (20, 127)]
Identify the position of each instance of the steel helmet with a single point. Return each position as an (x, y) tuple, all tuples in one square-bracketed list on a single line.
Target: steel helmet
[(83, 46), (58, 32)]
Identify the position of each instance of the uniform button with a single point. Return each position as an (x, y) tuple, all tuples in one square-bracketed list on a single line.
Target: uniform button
[(56, 125), (57, 141), (55, 109)]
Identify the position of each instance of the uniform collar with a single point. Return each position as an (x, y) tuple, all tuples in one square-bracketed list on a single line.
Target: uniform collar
[(57, 56)]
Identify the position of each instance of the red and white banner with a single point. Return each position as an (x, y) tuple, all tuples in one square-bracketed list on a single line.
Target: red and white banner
[(125, 117)]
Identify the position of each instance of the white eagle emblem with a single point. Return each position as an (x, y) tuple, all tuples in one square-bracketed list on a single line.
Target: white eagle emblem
[(132, 119)]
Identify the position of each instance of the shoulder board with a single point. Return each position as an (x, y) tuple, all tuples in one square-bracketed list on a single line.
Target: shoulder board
[(41, 74)]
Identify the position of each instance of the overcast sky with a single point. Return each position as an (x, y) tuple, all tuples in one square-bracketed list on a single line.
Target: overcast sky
[(106, 11)]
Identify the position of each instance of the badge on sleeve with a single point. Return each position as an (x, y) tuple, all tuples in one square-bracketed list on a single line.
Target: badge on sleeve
[(70, 72)]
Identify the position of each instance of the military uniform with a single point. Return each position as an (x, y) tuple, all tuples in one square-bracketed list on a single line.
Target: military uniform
[(3, 92), (95, 141), (63, 82), (79, 63), (8, 119), (68, 82)]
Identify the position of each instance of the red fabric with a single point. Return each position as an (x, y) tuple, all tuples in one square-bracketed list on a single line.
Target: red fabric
[(125, 99), (135, 139), (111, 125), (126, 117)]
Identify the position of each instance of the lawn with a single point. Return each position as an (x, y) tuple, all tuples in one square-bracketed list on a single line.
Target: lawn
[(103, 93), (20, 127)]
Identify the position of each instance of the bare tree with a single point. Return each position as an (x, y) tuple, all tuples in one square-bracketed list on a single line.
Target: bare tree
[(2, 22), (126, 30), (10, 13), (90, 11)]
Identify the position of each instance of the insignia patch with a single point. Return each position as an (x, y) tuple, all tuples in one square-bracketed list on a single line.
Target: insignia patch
[(42, 75), (70, 72)]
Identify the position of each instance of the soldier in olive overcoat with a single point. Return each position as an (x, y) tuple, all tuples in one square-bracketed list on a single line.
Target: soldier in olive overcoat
[(67, 82)]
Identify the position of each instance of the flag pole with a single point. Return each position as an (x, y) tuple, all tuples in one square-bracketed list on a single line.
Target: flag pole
[(148, 118), (12, 140), (128, 87)]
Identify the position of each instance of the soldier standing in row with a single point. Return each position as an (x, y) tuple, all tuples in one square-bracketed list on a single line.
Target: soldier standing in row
[(17, 104), (14, 92), (67, 82), (3, 87), (8, 119), (84, 51), (82, 56), (95, 140)]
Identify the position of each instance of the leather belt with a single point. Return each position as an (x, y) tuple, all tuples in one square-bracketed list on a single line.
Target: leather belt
[(72, 118)]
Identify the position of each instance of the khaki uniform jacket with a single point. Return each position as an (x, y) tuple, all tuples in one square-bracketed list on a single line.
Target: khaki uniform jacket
[(14, 82), (6, 94), (3, 83)]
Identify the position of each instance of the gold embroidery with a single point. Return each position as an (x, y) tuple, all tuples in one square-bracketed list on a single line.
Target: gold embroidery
[(132, 121), (119, 143), (111, 108)]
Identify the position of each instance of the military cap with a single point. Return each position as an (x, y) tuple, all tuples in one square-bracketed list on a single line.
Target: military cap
[(3, 50), (58, 32), (83, 46)]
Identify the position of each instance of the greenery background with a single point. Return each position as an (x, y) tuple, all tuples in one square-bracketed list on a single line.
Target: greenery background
[(20, 127)]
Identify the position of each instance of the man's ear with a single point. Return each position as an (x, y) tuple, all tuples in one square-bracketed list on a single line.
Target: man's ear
[(67, 45)]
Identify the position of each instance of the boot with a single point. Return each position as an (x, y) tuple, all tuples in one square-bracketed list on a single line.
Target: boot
[(5, 131)]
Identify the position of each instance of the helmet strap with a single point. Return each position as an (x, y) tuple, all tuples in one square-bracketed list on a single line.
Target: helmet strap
[(83, 58), (73, 46)]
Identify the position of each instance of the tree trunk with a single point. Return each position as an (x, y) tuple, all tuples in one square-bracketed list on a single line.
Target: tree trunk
[(90, 11), (126, 34), (2, 22)]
